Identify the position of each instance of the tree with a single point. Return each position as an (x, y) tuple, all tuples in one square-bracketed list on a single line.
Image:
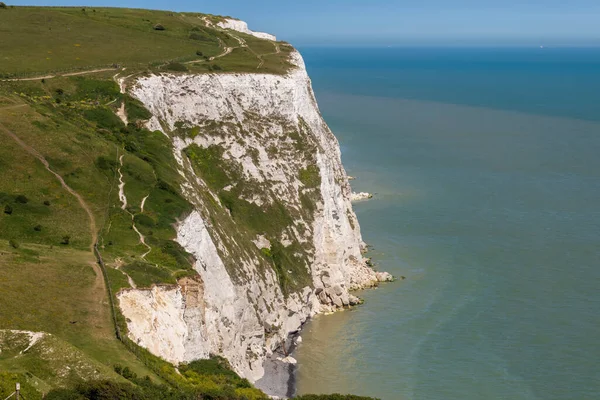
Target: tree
[(2, 5)]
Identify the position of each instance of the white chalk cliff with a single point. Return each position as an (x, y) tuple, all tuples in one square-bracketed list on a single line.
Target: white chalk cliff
[(269, 131), (242, 26)]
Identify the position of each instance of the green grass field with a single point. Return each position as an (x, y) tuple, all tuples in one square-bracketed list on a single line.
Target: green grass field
[(47, 40)]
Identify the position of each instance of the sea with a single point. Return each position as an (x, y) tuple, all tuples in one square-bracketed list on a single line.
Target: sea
[(485, 166)]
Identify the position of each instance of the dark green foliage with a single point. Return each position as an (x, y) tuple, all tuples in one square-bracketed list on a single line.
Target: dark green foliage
[(199, 53), (286, 259), (37, 228), (46, 202), (135, 110), (310, 176), (104, 118), (174, 249), (125, 372), (105, 163), (196, 36), (266, 252), (158, 27), (94, 89), (13, 243), (21, 199), (213, 169), (175, 66), (145, 274), (271, 219), (213, 366), (308, 203), (8, 209), (2, 5), (65, 240)]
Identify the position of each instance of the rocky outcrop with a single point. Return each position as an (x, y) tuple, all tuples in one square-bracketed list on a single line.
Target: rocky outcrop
[(361, 196), (260, 277)]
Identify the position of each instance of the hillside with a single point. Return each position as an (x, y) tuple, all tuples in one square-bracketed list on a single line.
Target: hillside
[(161, 216), (68, 40)]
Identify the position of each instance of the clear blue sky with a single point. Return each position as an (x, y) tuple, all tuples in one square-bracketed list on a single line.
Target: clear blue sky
[(415, 22)]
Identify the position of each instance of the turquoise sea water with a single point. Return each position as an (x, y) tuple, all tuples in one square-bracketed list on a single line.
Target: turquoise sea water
[(486, 166)]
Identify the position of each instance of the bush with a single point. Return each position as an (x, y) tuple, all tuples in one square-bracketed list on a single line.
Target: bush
[(106, 164), (8, 209), (37, 228), (104, 118), (21, 199), (196, 36), (199, 53), (175, 66), (2, 5), (158, 27), (125, 372), (136, 110), (310, 176), (46, 202), (65, 240), (13, 243)]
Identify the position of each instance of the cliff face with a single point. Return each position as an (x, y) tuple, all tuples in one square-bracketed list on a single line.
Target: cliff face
[(273, 232)]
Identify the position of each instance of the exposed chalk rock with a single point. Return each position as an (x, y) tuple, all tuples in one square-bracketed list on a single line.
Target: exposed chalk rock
[(269, 130), (242, 26), (361, 196)]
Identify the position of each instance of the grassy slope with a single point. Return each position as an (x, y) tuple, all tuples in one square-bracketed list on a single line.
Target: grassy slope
[(72, 39)]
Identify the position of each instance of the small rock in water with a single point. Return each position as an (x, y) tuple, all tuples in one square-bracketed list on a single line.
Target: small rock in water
[(289, 360), (360, 196), (384, 276)]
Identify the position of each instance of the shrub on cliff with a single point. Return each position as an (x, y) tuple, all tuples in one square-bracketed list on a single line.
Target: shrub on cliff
[(175, 66)]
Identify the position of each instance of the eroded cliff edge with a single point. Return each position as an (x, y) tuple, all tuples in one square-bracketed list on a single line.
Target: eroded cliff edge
[(273, 234)]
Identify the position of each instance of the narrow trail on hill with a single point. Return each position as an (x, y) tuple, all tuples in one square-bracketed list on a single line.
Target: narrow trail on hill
[(99, 284), (226, 50), (123, 199), (260, 56), (35, 78), (13, 106)]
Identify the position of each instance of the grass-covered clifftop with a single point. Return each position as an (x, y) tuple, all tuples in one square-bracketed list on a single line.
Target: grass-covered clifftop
[(40, 41)]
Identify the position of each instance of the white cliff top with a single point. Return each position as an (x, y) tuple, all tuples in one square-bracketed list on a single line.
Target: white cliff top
[(242, 26)]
